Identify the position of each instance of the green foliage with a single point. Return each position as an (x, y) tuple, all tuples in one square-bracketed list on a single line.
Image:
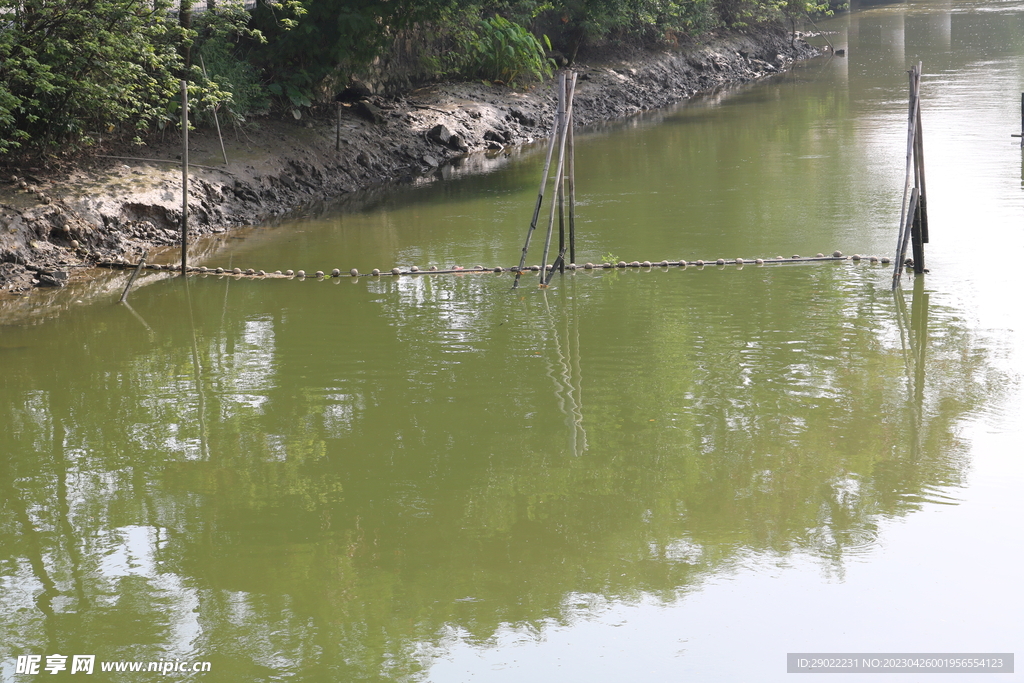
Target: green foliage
[(506, 52), (219, 34), (72, 68)]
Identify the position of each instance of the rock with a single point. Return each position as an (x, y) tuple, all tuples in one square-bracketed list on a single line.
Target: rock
[(364, 159), (356, 90), (430, 161), (440, 134), (457, 143), (522, 117), (54, 278), (365, 110), (496, 136)]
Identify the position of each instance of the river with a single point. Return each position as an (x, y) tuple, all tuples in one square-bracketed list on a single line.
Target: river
[(658, 474)]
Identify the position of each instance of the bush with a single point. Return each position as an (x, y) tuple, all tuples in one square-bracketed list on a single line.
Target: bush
[(71, 68), (505, 52)]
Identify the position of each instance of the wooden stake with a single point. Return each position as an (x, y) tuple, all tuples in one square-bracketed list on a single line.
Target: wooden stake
[(184, 177)]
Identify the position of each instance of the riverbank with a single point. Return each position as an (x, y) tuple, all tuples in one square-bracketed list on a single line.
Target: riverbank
[(55, 227)]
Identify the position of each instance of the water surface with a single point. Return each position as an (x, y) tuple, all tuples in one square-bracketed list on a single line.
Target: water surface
[(661, 475)]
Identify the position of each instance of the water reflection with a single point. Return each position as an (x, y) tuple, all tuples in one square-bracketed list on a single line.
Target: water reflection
[(335, 523)]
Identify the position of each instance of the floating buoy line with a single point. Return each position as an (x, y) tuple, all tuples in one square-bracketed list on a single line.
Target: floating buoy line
[(458, 270)]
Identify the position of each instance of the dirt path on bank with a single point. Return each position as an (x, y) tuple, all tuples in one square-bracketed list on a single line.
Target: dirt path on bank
[(55, 228)]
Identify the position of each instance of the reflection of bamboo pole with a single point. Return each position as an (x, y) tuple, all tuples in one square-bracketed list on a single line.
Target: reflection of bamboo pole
[(138, 317), (568, 389), (201, 406), (919, 324), (572, 333), (63, 508)]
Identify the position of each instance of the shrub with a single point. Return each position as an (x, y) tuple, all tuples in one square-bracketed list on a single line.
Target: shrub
[(505, 52)]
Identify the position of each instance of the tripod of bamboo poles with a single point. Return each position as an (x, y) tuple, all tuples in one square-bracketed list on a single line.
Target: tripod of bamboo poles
[(913, 213), (562, 137)]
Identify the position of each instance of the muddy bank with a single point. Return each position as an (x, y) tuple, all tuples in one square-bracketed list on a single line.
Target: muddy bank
[(55, 228)]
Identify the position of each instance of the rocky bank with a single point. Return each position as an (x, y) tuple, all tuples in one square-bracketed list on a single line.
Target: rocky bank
[(56, 227)]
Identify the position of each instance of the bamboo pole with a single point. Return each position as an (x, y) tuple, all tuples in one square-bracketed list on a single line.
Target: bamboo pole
[(131, 280), (919, 230), (184, 177), (901, 249), (561, 206), (915, 237), (216, 119), (540, 196), (904, 233), (919, 159), (566, 107), (572, 192), (558, 173)]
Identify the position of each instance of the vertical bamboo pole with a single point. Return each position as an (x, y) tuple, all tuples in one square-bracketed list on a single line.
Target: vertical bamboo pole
[(561, 204), (918, 229), (919, 157), (558, 174), (572, 192), (540, 198), (184, 177)]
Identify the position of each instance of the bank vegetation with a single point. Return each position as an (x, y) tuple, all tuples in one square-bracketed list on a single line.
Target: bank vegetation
[(74, 73)]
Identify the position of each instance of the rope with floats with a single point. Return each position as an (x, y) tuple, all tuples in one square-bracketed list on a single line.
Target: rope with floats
[(124, 264)]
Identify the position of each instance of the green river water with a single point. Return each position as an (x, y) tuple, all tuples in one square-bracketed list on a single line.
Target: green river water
[(646, 475)]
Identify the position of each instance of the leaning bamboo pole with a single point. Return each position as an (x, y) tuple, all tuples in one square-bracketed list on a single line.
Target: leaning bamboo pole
[(540, 193), (545, 277), (912, 118), (562, 105)]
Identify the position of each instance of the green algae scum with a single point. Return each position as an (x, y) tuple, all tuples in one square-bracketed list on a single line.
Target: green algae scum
[(656, 473)]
